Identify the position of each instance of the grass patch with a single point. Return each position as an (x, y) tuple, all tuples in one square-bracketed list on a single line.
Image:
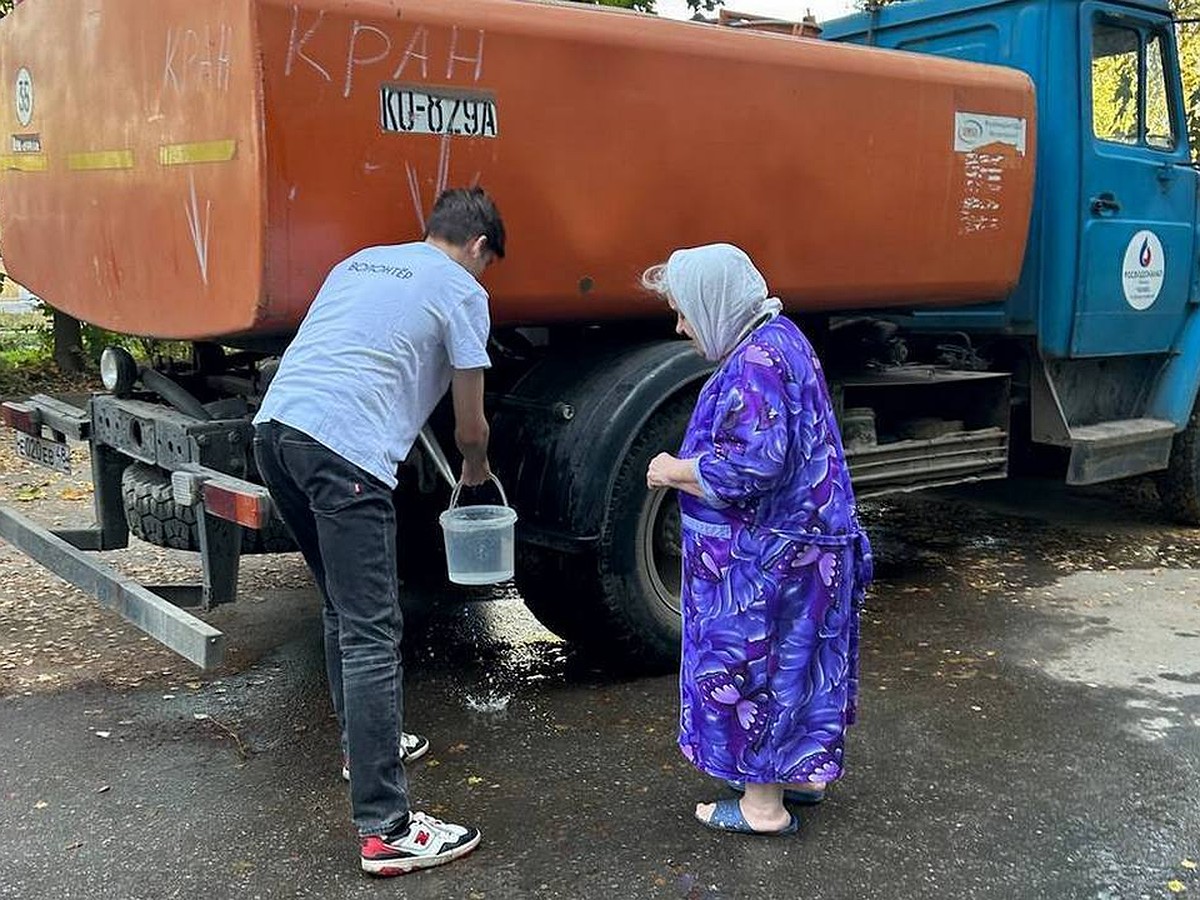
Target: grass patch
[(24, 338), (27, 354), (27, 359)]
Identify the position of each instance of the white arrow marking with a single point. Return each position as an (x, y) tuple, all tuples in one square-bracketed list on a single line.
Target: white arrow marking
[(441, 181), (199, 234)]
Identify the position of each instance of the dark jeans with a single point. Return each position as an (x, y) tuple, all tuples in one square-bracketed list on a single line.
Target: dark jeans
[(344, 522)]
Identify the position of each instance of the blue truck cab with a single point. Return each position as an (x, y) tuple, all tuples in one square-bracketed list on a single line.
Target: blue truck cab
[(1107, 301)]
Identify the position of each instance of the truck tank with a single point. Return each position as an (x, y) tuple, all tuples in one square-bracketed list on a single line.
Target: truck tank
[(192, 170)]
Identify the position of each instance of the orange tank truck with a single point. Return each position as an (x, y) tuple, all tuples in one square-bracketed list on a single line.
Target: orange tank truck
[(192, 169)]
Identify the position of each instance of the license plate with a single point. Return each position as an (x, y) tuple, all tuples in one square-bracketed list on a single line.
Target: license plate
[(412, 110), (52, 454)]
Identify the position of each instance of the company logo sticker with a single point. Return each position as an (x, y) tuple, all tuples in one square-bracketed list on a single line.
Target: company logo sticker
[(1143, 270), (24, 97), (970, 130)]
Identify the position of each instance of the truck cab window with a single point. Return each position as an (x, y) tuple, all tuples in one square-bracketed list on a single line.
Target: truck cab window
[(1115, 83), (1159, 133), (1130, 99)]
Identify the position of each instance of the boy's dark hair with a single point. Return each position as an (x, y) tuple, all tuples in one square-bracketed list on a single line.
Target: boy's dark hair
[(462, 214)]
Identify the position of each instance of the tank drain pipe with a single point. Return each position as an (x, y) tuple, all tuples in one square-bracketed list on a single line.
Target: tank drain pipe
[(173, 394), (431, 446)]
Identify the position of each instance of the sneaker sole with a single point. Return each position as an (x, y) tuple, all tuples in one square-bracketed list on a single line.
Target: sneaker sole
[(390, 868)]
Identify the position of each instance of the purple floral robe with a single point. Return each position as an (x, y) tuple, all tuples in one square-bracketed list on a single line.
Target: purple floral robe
[(774, 569)]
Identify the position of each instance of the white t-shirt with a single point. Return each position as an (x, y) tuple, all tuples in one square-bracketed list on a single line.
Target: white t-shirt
[(376, 351)]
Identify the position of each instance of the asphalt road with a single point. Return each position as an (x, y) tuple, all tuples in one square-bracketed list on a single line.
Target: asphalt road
[(1030, 727)]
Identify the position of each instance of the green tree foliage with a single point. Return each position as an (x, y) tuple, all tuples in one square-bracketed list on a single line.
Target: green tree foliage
[(1189, 65), (640, 5), (644, 5)]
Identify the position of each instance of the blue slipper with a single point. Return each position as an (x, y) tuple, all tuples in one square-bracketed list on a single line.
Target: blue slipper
[(802, 796), (728, 817)]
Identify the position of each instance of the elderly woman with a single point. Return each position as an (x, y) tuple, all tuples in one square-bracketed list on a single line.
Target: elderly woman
[(775, 562)]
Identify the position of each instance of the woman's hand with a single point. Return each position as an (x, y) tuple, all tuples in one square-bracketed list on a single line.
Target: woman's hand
[(662, 471), (667, 471)]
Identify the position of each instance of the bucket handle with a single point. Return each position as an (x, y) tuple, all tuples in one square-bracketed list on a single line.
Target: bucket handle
[(458, 489)]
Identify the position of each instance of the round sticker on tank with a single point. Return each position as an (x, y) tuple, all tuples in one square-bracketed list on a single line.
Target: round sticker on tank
[(24, 97), (1143, 270)]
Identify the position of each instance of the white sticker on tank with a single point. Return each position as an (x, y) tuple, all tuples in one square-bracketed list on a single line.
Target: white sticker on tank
[(975, 130), (24, 97), (1143, 270)]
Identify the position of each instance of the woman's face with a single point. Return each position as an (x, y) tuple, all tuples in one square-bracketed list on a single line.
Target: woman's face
[(682, 325)]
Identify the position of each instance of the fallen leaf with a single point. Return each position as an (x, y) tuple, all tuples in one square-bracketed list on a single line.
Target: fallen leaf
[(73, 494), (1175, 886), (1188, 864), (474, 779), (41, 804), (430, 763)]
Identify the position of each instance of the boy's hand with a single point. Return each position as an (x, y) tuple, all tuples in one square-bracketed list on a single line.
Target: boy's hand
[(474, 475)]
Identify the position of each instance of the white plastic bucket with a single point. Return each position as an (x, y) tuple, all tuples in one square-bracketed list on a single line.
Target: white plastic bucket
[(480, 540)]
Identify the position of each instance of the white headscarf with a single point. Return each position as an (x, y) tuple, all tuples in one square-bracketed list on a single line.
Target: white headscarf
[(720, 293)]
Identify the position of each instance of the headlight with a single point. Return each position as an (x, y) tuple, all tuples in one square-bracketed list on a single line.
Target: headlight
[(118, 371)]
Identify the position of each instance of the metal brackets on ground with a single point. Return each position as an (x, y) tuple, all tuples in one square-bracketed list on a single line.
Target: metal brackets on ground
[(188, 636), (156, 610)]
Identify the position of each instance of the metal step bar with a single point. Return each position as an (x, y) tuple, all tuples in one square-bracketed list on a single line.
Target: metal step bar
[(1110, 450)]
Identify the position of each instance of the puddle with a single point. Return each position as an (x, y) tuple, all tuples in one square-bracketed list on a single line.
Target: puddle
[(1144, 645)]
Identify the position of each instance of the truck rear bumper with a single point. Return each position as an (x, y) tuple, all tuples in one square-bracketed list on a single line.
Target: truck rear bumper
[(160, 618), (120, 430)]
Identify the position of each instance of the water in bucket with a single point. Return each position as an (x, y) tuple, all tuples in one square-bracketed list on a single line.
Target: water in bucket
[(480, 541)]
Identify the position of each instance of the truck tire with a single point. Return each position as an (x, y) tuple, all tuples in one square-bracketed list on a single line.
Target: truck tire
[(1179, 485), (420, 553), (620, 599), (155, 517)]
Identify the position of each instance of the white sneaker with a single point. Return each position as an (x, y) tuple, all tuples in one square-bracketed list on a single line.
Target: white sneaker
[(425, 843), (412, 747)]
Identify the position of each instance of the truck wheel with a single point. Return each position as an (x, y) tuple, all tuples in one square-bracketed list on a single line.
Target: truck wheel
[(1179, 485), (156, 518), (420, 553), (620, 600)]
